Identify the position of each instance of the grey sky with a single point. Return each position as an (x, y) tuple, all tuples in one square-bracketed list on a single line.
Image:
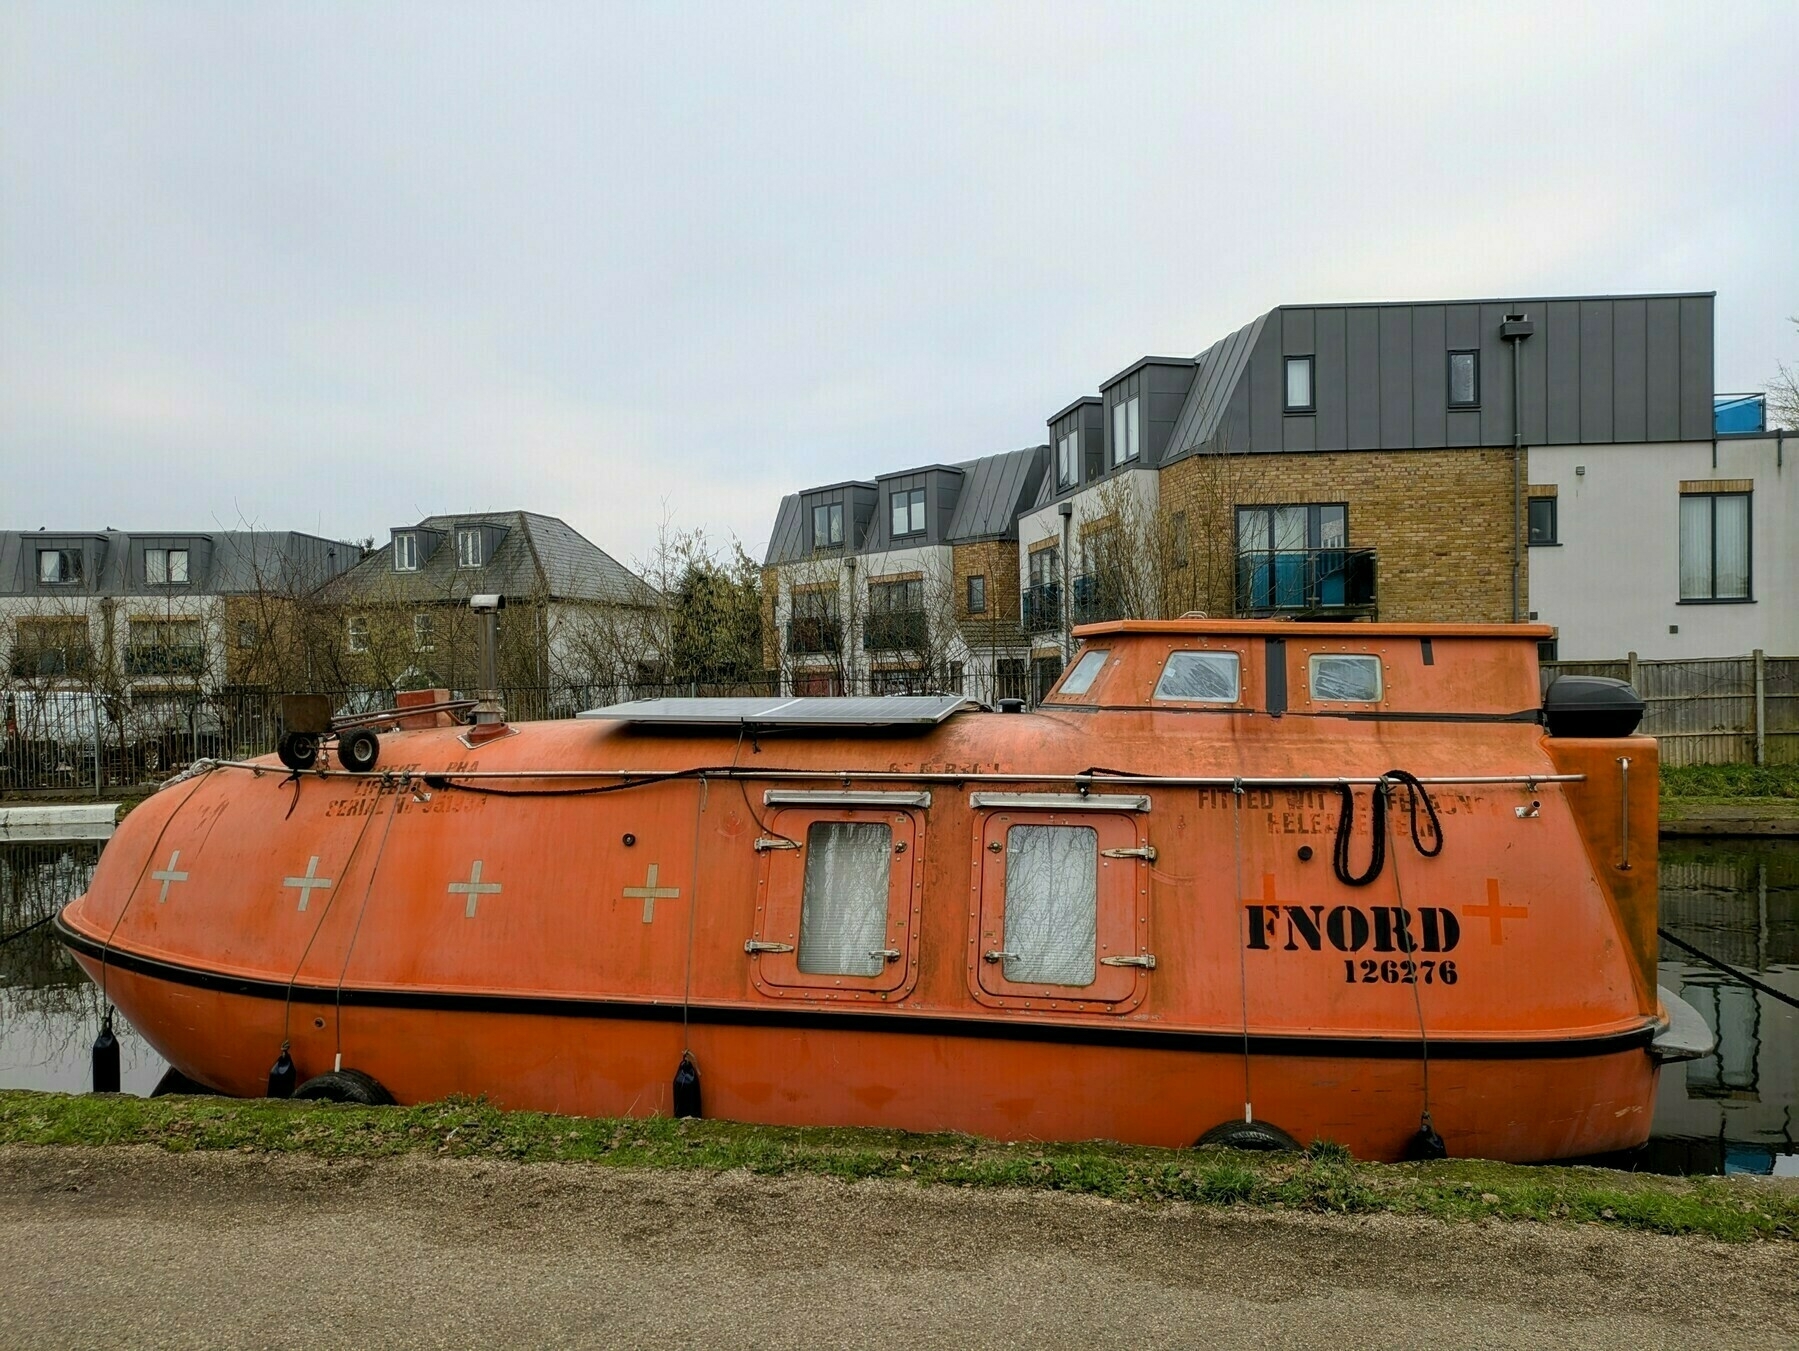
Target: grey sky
[(334, 267)]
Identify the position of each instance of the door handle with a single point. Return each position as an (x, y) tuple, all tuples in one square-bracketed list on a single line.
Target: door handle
[(995, 955), (753, 947), (886, 954)]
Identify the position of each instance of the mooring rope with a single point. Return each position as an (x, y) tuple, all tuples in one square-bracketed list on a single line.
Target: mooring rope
[(1377, 855)]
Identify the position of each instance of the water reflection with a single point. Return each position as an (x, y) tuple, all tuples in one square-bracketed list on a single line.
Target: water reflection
[(49, 1010), (1736, 1110)]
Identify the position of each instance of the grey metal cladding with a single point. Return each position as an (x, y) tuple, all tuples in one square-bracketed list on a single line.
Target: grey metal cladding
[(1596, 394), (995, 489), (1560, 333), (1330, 376), (1363, 370), (1630, 369), (1494, 375), (1697, 380), (1396, 377), (1663, 358), (786, 542), (1430, 376), (220, 562)]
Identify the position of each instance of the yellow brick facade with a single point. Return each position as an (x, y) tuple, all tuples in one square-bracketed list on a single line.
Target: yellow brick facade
[(997, 561), (1437, 519)]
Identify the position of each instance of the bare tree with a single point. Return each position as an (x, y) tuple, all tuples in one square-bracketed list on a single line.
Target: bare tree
[(1783, 394)]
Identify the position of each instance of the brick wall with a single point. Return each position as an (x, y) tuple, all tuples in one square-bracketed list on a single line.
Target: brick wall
[(1437, 520), (997, 561)]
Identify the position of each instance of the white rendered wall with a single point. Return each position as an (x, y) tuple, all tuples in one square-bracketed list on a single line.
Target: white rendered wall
[(1612, 584)]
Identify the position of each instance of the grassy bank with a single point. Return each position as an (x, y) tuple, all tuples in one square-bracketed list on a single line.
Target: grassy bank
[(1324, 1180), (1773, 784)]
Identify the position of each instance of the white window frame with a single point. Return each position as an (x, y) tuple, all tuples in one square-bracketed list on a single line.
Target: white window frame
[(160, 567), (424, 635), (63, 577), (469, 553), (1068, 460), (356, 634), (1310, 364), (406, 551), (1127, 431)]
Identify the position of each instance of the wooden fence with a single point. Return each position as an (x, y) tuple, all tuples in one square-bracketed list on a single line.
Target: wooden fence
[(1718, 711)]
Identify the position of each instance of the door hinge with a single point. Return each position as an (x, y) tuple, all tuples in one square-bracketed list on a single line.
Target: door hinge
[(1146, 960), (1147, 853), (752, 947), (764, 844)]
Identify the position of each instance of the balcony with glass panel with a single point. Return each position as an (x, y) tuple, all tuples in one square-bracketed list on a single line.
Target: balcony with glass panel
[(1096, 599), (1043, 608), (813, 636), (1306, 583), (895, 631), (165, 659)]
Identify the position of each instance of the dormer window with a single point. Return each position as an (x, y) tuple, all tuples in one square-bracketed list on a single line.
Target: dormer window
[(406, 552), (908, 511), (827, 525), (468, 547), (1300, 398), (165, 567), (1068, 460), (1126, 428), (58, 567)]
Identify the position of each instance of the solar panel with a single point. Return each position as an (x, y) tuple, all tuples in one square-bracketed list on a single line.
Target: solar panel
[(893, 710)]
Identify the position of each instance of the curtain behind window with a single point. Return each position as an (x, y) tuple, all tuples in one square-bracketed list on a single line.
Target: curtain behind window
[(843, 910), (1052, 904)]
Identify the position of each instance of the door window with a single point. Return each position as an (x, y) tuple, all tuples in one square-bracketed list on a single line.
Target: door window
[(837, 903)]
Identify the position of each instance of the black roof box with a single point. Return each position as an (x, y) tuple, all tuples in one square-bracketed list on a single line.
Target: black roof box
[(1582, 705)]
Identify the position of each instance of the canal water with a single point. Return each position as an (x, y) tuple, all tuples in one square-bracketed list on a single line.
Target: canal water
[(1735, 1111)]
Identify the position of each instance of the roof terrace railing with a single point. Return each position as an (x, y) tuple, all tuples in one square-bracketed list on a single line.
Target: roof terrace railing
[(1321, 582), (1042, 608)]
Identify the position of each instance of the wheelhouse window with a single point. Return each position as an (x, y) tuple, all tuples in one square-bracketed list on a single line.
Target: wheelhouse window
[(827, 525), (1068, 460), (1126, 430), (59, 567), (1344, 677), (1052, 905), (1085, 671), (406, 552), (1542, 520), (165, 567), (1464, 379), (843, 908), (977, 593), (1299, 385), (1714, 547), (1200, 677), (469, 553), (908, 511)]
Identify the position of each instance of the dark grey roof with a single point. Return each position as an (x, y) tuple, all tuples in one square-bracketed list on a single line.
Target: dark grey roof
[(1220, 367), (537, 557), (893, 710), (994, 490), (221, 562), (786, 541)]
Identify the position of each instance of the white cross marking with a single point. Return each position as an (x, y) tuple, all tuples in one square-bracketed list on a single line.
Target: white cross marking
[(474, 888), (166, 876), (309, 883), (651, 893)]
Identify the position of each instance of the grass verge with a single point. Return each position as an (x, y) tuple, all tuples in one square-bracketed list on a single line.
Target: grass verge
[(1323, 1180), (1731, 783)]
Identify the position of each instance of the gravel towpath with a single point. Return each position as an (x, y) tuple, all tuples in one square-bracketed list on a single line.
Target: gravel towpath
[(138, 1247)]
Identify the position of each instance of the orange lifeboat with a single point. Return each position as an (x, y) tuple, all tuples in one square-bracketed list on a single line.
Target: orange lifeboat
[(1311, 880)]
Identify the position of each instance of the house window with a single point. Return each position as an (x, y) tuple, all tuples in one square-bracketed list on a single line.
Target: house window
[(1301, 526), (165, 647), (1542, 520), (1714, 546), (1546, 649), (827, 525), (1464, 379), (358, 634), (1177, 538), (406, 552), (957, 675), (1125, 430), (1012, 677), (1068, 460), (908, 511), (977, 594), (468, 548), (1299, 385), (58, 567), (165, 567), (424, 638), (246, 633)]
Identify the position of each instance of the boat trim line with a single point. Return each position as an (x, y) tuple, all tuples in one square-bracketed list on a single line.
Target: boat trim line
[(1109, 1033)]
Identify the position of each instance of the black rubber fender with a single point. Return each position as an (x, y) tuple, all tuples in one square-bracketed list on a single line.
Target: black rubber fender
[(350, 1086), (1260, 1135)]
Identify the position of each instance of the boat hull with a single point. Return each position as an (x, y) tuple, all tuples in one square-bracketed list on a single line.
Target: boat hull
[(1511, 1101)]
